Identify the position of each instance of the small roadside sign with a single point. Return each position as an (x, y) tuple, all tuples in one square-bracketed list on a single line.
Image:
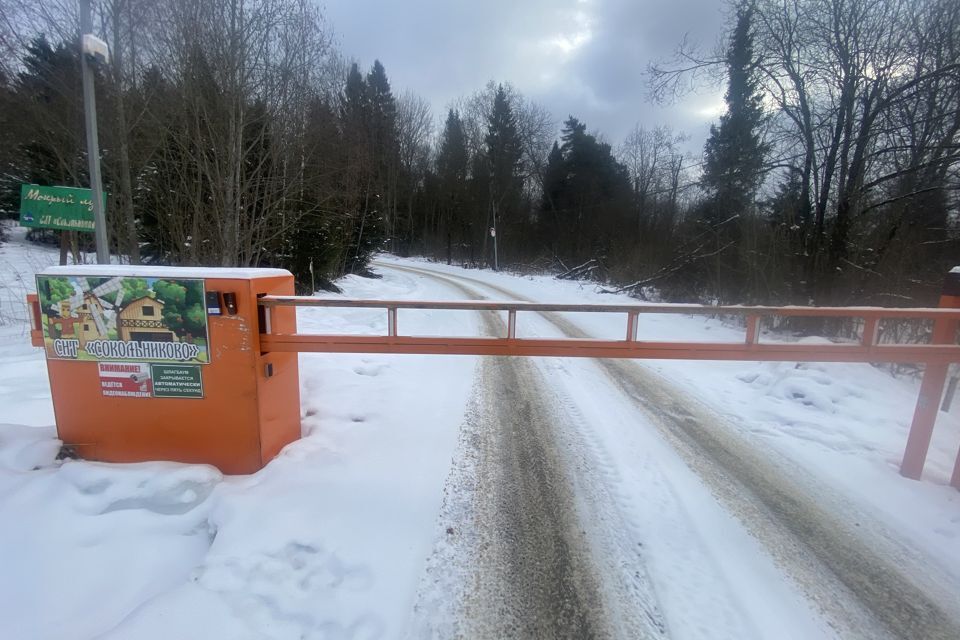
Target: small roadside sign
[(65, 208)]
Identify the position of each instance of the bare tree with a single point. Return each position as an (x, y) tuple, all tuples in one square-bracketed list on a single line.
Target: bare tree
[(414, 134), (654, 162), (245, 72), (850, 85)]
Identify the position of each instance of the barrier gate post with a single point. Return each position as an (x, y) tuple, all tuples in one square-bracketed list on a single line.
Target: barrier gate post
[(931, 389), (165, 363)]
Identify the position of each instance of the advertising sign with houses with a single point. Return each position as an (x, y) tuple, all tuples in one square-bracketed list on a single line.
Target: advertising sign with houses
[(124, 318)]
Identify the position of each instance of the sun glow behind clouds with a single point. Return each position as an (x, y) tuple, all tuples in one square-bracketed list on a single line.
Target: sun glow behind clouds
[(580, 57), (567, 43), (578, 33), (547, 56), (713, 109)]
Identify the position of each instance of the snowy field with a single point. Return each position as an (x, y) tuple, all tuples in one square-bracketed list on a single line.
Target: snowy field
[(349, 532)]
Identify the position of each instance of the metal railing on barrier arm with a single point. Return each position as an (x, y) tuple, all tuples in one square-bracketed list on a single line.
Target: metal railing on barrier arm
[(937, 355)]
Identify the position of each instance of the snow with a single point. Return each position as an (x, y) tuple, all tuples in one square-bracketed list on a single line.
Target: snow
[(331, 535), (845, 423), (334, 537), (711, 577), (162, 272), (329, 538)]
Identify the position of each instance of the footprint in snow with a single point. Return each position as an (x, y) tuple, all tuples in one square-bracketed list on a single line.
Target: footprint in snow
[(369, 370)]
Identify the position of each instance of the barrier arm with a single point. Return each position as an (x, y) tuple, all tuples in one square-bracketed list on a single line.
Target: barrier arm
[(937, 356)]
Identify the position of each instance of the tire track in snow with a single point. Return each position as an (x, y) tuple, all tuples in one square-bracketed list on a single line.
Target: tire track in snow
[(857, 584), (510, 514)]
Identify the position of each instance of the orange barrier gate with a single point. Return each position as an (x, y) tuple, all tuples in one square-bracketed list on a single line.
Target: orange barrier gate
[(200, 365), (937, 356)]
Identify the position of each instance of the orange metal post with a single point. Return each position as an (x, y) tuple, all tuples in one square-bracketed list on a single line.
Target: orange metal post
[(871, 329), (36, 331), (931, 389), (753, 330), (951, 298), (632, 320)]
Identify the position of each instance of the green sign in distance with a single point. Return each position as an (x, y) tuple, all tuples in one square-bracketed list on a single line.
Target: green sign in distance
[(176, 380), (66, 208)]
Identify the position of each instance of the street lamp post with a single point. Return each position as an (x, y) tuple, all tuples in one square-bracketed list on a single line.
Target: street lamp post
[(87, 54)]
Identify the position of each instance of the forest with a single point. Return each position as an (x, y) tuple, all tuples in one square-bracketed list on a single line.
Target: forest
[(235, 133)]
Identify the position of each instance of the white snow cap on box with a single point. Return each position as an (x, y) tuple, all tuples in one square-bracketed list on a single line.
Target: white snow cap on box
[(955, 270), (136, 271)]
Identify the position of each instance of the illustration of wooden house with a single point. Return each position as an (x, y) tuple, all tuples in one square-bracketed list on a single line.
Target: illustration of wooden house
[(82, 318), (141, 320)]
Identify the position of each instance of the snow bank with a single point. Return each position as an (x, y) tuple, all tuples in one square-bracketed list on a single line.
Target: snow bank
[(328, 540), (83, 544)]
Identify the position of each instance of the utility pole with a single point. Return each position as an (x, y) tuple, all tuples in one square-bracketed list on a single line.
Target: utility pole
[(93, 144)]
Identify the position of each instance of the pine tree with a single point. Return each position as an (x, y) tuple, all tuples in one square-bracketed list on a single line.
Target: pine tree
[(10, 178), (573, 136), (504, 151), (368, 115), (585, 190), (734, 152), (733, 165), (48, 89), (354, 105), (383, 111), (452, 167), (553, 177), (384, 149)]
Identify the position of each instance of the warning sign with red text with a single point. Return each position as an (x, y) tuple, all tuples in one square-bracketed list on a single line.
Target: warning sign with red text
[(125, 379)]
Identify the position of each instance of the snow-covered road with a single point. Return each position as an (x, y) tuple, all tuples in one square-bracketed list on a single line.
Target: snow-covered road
[(452, 496), (858, 583), (525, 520)]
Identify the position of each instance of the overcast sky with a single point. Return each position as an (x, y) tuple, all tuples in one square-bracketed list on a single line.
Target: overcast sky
[(581, 57)]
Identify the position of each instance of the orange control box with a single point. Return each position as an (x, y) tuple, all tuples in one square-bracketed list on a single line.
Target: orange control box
[(164, 363)]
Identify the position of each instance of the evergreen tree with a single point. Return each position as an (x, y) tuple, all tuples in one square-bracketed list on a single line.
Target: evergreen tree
[(384, 151), (585, 193), (364, 227), (317, 244), (733, 166), (9, 173), (452, 167), (353, 108), (573, 136), (504, 152), (503, 145), (382, 112), (734, 152), (48, 90), (553, 177)]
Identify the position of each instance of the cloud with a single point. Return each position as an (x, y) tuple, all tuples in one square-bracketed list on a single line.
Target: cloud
[(581, 57)]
